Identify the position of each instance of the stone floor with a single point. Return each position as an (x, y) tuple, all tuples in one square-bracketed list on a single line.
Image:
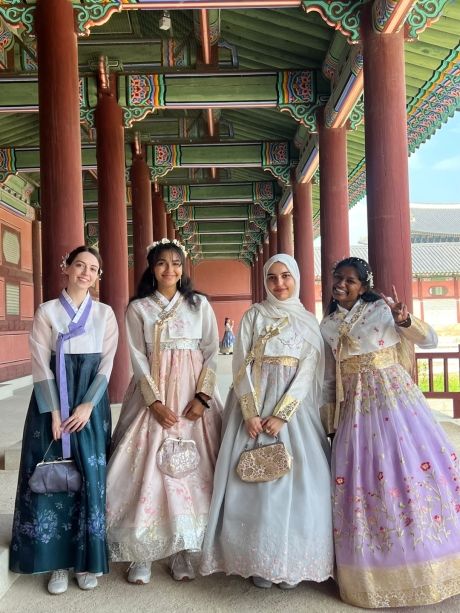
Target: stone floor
[(217, 594)]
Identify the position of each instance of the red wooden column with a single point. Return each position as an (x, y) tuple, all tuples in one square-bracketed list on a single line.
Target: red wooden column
[(160, 229), (285, 234), (333, 180), (170, 227), (113, 243), (61, 190), (260, 263), (387, 179), (142, 213), (303, 242), (256, 279), (266, 248), (273, 242), (37, 261)]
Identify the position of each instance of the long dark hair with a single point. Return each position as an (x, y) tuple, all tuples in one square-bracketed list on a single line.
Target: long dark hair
[(84, 249), (148, 284), (364, 273)]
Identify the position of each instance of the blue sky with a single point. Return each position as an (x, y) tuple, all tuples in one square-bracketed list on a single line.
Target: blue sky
[(434, 175)]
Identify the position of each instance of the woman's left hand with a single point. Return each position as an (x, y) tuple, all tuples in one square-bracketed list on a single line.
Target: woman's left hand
[(194, 410), (398, 308), (79, 418), (272, 425)]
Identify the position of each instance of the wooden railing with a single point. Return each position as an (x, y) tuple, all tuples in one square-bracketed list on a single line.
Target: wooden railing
[(440, 367)]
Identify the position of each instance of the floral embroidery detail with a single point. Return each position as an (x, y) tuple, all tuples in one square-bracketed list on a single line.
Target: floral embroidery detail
[(425, 466), (339, 480), (453, 455), (380, 476), (96, 523)]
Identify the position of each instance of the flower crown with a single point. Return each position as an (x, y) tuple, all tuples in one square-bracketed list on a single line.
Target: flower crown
[(166, 241)]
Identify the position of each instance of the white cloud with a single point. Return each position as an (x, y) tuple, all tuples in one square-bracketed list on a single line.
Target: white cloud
[(452, 163)]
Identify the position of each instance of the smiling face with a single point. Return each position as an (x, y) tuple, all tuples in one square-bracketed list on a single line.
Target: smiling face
[(82, 272), (347, 286), (280, 282), (168, 271)]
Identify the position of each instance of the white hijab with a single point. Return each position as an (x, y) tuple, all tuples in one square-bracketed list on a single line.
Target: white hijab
[(304, 323)]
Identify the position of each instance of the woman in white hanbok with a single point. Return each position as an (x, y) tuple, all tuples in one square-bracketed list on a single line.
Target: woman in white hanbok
[(173, 340), (278, 531)]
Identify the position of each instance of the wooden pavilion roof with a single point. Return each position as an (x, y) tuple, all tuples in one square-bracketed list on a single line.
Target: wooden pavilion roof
[(257, 47)]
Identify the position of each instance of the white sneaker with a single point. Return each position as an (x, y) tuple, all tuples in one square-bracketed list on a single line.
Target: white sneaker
[(140, 572), (59, 581), (87, 581), (181, 567)]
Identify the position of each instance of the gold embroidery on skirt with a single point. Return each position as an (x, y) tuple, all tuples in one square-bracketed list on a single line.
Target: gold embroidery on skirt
[(400, 586)]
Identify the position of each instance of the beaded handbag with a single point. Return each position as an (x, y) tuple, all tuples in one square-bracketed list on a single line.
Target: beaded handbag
[(177, 457), (264, 462)]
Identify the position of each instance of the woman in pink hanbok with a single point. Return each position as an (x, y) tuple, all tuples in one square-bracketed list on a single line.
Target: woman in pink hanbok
[(396, 498), (173, 341)]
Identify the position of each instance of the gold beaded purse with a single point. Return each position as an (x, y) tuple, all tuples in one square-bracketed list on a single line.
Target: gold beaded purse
[(264, 462)]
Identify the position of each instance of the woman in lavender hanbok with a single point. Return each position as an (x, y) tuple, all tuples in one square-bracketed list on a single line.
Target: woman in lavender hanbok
[(173, 341), (277, 532), (72, 345), (396, 498)]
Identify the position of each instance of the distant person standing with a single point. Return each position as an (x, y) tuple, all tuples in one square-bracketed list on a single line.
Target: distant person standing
[(228, 338)]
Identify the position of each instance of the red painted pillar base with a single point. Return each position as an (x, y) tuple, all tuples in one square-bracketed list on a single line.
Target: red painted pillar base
[(303, 243), (113, 244), (335, 240), (387, 177)]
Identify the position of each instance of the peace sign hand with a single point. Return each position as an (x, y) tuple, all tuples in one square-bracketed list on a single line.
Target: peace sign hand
[(398, 308)]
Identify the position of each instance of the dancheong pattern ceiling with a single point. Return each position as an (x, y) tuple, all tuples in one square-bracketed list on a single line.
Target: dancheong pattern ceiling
[(269, 71)]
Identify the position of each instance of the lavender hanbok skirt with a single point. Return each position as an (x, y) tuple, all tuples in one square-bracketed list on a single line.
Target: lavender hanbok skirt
[(396, 499)]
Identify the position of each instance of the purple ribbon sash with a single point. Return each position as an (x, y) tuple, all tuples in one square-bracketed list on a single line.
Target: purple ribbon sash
[(75, 329)]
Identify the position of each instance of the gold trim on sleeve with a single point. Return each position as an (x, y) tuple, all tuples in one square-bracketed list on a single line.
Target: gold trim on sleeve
[(286, 408), (149, 390), (248, 406), (206, 382)]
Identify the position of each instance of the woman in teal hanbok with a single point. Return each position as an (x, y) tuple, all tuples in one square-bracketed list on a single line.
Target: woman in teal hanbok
[(72, 343)]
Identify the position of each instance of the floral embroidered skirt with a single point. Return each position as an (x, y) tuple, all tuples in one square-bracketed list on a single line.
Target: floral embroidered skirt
[(396, 500), (64, 530), (151, 515)]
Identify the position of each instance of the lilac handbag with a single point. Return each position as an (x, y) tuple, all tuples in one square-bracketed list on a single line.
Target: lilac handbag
[(55, 476)]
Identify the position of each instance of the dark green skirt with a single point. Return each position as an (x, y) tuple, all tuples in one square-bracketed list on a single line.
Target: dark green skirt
[(64, 530)]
